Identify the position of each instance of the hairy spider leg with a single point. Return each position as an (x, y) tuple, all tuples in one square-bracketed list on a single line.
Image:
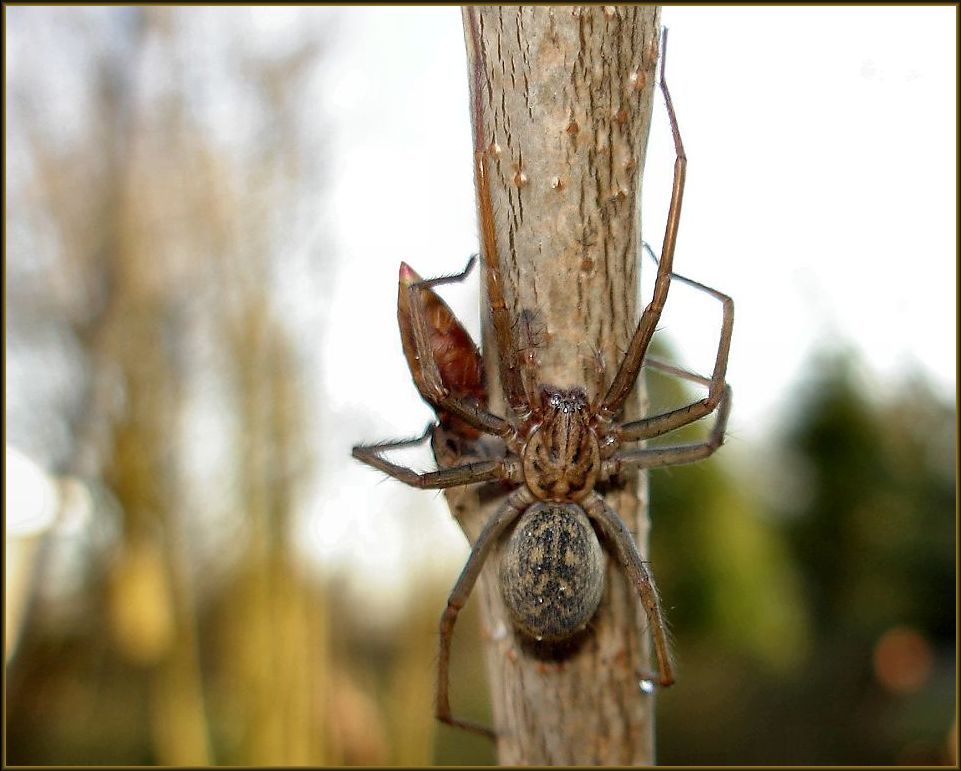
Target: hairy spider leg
[(671, 369), (512, 380), (481, 471), (656, 425), (504, 517), (654, 457), (623, 382), (528, 362), (598, 370), (617, 533), (454, 278)]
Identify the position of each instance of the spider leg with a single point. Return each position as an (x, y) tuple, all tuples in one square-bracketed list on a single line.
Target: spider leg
[(642, 578), (626, 376), (668, 421), (511, 376), (470, 473), (427, 375), (527, 361), (399, 444), (455, 278), (509, 511), (654, 457), (680, 372)]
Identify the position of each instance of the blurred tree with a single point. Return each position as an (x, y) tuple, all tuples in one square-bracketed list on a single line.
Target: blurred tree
[(780, 605), (881, 485), (164, 274)]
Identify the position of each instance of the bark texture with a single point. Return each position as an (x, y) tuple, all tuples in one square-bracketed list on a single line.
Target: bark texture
[(566, 98)]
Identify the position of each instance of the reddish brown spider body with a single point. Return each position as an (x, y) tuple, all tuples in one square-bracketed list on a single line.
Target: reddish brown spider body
[(557, 444), (458, 360)]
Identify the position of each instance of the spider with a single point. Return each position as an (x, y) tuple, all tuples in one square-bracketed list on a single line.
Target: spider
[(559, 443)]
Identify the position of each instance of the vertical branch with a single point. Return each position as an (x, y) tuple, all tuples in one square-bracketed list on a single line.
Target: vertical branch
[(561, 104)]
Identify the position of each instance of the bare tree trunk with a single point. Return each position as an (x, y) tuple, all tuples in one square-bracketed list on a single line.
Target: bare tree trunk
[(566, 96)]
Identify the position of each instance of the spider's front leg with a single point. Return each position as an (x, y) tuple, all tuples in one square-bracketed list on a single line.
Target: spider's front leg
[(656, 425), (627, 373), (508, 362), (469, 473)]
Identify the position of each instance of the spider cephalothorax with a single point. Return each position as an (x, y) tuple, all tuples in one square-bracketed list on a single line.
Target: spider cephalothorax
[(561, 455), (555, 445)]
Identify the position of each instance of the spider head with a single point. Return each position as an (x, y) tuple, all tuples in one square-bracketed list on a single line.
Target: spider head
[(570, 402), (561, 457)]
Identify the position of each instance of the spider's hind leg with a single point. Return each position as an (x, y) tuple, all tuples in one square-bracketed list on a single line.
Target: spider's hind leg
[(508, 512), (640, 576)]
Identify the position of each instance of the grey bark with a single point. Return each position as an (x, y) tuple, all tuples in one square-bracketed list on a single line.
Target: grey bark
[(567, 103)]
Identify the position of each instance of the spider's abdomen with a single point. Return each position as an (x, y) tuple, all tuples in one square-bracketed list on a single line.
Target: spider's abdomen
[(552, 572)]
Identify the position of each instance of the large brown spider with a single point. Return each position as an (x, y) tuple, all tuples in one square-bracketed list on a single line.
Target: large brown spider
[(559, 444)]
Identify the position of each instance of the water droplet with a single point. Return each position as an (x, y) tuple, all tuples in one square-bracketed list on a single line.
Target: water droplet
[(646, 685)]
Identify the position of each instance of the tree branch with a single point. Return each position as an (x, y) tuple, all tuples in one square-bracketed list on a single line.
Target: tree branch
[(566, 96)]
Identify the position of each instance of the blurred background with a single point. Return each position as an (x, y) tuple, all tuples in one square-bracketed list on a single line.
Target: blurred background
[(205, 211)]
